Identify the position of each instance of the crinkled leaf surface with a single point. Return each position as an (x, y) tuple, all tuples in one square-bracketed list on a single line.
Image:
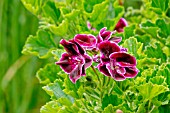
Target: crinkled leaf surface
[(111, 99), (155, 52), (133, 46), (40, 45), (149, 90), (48, 74)]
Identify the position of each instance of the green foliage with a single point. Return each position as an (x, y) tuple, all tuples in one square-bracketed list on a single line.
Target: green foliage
[(40, 45), (146, 37)]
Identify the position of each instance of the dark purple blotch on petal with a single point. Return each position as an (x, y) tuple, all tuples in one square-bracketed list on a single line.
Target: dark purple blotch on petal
[(85, 40), (76, 73), (104, 35), (116, 72), (131, 72), (107, 48), (102, 68), (123, 59), (70, 47), (81, 50), (116, 39), (67, 63)]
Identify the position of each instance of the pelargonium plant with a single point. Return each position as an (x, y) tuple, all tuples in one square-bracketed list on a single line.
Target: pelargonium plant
[(113, 60), (105, 63)]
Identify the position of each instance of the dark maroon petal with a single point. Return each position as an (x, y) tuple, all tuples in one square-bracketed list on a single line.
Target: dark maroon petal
[(120, 25), (88, 61), (70, 47), (107, 47), (116, 39), (76, 73), (104, 59), (115, 74), (66, 63), (85, 40), (131, 72), (81, 50), (123, 59), (104, 35), (102, 68)]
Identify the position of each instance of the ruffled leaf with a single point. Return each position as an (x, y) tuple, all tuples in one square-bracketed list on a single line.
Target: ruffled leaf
[(40, 45)]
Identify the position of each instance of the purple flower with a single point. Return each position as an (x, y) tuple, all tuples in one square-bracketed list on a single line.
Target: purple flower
[(120, 66), (120, 25), (106, 48), (75, 61)]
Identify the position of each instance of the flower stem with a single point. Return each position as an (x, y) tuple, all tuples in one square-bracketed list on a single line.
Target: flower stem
[(96, 74)]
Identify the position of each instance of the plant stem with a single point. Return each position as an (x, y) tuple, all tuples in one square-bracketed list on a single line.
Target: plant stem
[(96, 74)]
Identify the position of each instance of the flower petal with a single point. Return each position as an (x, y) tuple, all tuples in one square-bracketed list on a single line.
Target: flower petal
[(76, 73), (102, 68), (107, 47), (114, 73), (116, 39), (70, 47), (104, 59), (104, 35), (66, 63), (85, 40), (88, 61), (123, 59), (120, 25), (81, 50), (131, 72)]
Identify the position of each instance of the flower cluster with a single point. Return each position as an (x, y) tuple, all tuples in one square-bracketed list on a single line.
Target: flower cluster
[(113, 60)]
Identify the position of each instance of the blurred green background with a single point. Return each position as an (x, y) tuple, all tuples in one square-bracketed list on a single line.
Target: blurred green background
[(20, 90)]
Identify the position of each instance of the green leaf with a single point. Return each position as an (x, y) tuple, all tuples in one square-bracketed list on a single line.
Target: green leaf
[(109, 100), (39, 45), (129, 31), (48, 74), (109, 109), (149, 90), (145, 39), (71, 88), (161, 5), (50, 107), (55, 90), (141, 107), (160, 80), (60, 30), (165, 72), (57, 53), (147, 62), (153, 31), (155, 52), (164, 109), (64, 101), (89, 5), (133, 46), (97, 12), (33, 5), (50, 10), (164, 28), (73, 15)]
